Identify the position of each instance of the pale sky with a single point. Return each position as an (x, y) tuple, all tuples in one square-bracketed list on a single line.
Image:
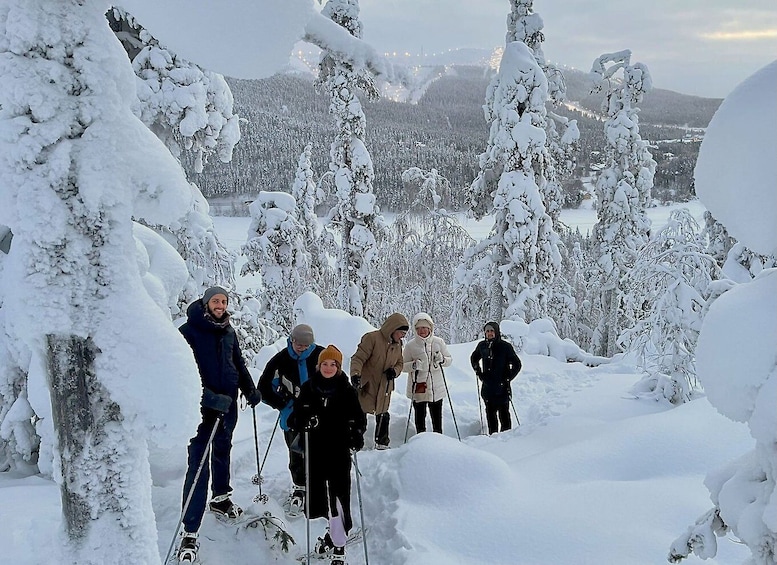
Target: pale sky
[(701, 47)]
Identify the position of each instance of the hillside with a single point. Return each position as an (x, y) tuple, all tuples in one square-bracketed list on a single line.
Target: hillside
[(445, 130)]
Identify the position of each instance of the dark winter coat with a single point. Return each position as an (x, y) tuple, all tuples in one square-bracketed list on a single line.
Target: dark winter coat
[(217, 353), (332, 407), (375, 353), (496, 364), (294, 367)]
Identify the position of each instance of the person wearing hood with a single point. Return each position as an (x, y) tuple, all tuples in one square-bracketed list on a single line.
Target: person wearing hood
[(496, 364), (425, 356), (280, 384), (327, 415), (374, 366), (223, 373)]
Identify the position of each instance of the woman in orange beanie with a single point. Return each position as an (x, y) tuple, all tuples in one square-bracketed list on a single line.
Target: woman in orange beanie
[(328, 412)]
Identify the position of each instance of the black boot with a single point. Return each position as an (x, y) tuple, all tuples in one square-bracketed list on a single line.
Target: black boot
[(382, 430)]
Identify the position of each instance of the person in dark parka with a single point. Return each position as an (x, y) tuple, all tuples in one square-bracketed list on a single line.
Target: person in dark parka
[(223, 373), (328, 411), (280, 384), (496, 364)]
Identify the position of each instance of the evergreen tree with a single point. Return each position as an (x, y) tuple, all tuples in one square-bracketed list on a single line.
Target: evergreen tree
[(275, 249), (356, 215), (622, 190), (76, 167), (522, 247)]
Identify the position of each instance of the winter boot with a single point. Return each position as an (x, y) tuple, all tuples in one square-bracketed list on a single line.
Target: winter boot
[(224, 509), (187, 550), (296, 502), (337, 556), (324, 546)]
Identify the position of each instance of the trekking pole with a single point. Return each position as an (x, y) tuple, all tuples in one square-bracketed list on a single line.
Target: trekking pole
[(257, 479), (307, 494), (409, 411), (517, 421), (361, 508), (453, 414), (480, 405), (272, 435), (189, 494)]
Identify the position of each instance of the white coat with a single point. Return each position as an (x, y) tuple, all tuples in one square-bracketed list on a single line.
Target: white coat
[(424, 359)]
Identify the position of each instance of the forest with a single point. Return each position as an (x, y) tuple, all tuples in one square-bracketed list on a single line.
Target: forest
[(445, 130)]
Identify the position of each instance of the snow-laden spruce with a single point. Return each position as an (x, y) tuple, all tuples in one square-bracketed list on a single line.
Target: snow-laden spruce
[(622, 190), (521, 251), (355, 217), (76, 166)]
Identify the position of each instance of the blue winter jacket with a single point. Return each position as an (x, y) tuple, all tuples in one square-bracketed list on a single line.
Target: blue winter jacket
[(217, 353)]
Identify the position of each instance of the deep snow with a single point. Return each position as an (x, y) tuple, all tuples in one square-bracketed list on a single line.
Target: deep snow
[(591, 476)]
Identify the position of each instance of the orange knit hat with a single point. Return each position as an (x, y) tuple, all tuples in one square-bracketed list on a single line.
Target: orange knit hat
[(331, 352)]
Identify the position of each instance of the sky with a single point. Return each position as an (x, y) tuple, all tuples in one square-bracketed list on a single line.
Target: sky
[(699, 47)]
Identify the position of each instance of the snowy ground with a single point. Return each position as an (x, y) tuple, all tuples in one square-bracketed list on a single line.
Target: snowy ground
[(591, 476)]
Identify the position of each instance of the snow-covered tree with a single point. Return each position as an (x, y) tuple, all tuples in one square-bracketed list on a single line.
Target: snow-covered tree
[(275, 248), (75, 167), (735, 353), (719, 243), (622, 190), (426, 241), (191, 111), (307, 194), (356, 216), (522, 248), (666, 291)]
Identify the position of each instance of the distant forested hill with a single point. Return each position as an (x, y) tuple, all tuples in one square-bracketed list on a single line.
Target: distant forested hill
[(446, 130)]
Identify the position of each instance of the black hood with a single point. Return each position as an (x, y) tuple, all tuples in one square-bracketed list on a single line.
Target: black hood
[(497, 331)]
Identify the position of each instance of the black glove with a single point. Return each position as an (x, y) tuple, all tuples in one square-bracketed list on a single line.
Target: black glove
[(357, 439), (213, 401), (390, 373), (254, 397), (284, 394), (356, 380), (311, 423)]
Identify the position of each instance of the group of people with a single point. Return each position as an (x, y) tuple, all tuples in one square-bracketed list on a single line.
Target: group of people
[(321, 410)]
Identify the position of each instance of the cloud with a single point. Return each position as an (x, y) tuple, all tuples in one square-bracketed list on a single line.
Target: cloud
[(745, 35)]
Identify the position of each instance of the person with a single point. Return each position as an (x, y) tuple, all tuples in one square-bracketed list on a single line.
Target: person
[(329, 417), (222, 373), (374, 366), (425, 356), (496, 364), (279, 385)]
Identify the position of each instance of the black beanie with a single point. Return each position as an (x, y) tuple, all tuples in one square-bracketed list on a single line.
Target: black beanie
[(213, 291)]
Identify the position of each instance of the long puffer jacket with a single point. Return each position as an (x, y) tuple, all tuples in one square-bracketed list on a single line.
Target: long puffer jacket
[(424, 359), (376, 353)]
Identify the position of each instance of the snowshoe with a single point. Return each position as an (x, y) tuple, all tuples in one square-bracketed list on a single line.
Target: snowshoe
[(324, 545), (225, 510), (296, 503), (187, 550), (337, 556)]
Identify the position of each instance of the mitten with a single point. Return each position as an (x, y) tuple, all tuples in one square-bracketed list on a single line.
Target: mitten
[(217, 402), (356, 380), (390, 373)]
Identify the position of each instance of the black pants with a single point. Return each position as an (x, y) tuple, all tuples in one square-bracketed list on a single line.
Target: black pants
[(500, 410), (215, 471), (296, 460), (382, 428), (435, 411)]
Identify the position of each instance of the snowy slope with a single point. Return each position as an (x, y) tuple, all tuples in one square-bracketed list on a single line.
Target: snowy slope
[(591, 476)]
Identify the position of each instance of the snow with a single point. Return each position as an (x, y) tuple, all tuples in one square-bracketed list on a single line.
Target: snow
[(590, 476)]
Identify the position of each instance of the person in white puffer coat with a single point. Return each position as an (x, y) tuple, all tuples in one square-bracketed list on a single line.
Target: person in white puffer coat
[(424, 357)]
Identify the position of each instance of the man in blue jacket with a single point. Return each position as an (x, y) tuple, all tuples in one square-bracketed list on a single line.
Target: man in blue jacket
[(223, 372), (279, 385)]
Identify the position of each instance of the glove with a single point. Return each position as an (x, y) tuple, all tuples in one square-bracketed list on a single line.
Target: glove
[(437, 357), (390, 373), (356, 380), (254, 397), (311, 423), (217, 402), (356, 439)]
